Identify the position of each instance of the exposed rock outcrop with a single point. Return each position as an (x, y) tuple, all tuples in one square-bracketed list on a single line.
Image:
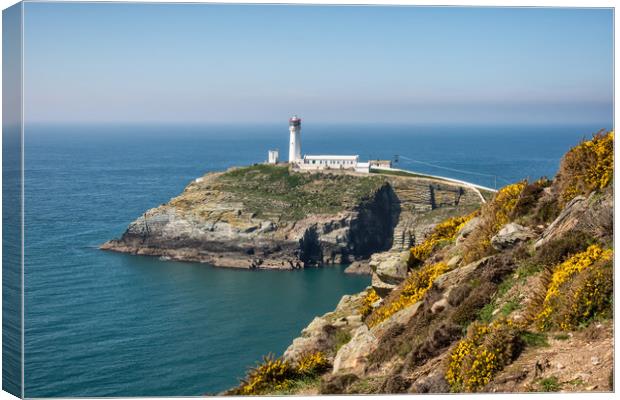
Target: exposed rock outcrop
[(359, 268), (389, 269), (270, 217), (511, 235), (593, 214)]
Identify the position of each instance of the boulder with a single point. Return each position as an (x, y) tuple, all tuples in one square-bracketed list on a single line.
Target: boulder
[(351, 357), (457, 276), (467, 229), (389, 269), (511, 235), (382, 288), (392, 269), (315, 337), (358, 268)]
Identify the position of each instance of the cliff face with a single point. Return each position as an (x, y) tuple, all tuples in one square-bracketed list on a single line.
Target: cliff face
[(514, 297), (268, 217)]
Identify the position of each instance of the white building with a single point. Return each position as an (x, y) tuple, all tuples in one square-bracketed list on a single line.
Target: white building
[(329, 162), (274, 157), (380, 163), (363, 167), (311, 162)]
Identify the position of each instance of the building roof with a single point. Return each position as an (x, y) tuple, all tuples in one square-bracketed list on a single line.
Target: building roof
[(312, 157)]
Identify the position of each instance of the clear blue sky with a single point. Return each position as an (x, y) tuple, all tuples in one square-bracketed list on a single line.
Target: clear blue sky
[(239, 63)]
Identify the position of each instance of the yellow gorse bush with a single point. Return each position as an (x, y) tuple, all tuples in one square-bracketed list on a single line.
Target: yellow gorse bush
[(369, 299), (584, 300), (504, 203), (445, 231), (495, 214), (587, 167), (275, 374), (312, 364), (271, 374), (478, 357), (414, 288), (594, 296)]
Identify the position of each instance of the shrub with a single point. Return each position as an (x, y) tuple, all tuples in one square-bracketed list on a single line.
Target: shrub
[(486, 313), (587, 167), (528, 199), (477, 305), (413, 289), (547, 210), (312, 364), (481, 354), (495, 214), (591, 293), (271, 374), (277, 375), (557, 250), (369, 299), (443, 232), (579, 288)]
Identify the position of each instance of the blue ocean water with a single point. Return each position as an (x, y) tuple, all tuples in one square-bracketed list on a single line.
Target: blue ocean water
[(106, 324)]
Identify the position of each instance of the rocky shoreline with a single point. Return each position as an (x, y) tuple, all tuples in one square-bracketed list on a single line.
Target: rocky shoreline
[(334, 218)]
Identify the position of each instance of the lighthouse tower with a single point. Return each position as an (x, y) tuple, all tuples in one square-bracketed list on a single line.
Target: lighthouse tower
[(294, 150)]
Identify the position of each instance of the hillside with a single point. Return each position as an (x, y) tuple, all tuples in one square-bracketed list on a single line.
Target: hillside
[(516, 296), (268, 216)]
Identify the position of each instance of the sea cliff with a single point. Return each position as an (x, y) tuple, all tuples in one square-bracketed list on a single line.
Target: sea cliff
[(513, 297), (267, 216)]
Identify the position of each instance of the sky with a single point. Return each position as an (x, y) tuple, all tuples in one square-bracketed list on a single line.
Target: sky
[(223, 63)]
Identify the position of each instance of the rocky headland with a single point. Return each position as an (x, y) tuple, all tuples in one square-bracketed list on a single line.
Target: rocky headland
[(515, 296), (267, 216)]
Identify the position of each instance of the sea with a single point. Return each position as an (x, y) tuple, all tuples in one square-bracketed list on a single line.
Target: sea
[(105, 324)]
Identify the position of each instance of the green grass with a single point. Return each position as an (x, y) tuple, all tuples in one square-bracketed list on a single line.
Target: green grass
[(505, 286), (561, 336), (550, 384), (534, 339), (510, 306), (275, 191), (298, 385), (486, 313), (342, 338), (527, 269)]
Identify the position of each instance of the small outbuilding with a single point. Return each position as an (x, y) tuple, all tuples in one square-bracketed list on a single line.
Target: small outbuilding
[(274, 157)]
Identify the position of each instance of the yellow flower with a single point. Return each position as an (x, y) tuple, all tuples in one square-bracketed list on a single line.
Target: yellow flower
[(413, 289), (564, 272), (369, 299), (445, 231)]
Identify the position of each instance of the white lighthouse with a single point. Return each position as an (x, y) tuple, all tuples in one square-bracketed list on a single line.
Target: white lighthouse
[(294, 150)]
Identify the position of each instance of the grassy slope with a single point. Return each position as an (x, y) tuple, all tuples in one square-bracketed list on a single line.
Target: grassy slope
[(274, 190)]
